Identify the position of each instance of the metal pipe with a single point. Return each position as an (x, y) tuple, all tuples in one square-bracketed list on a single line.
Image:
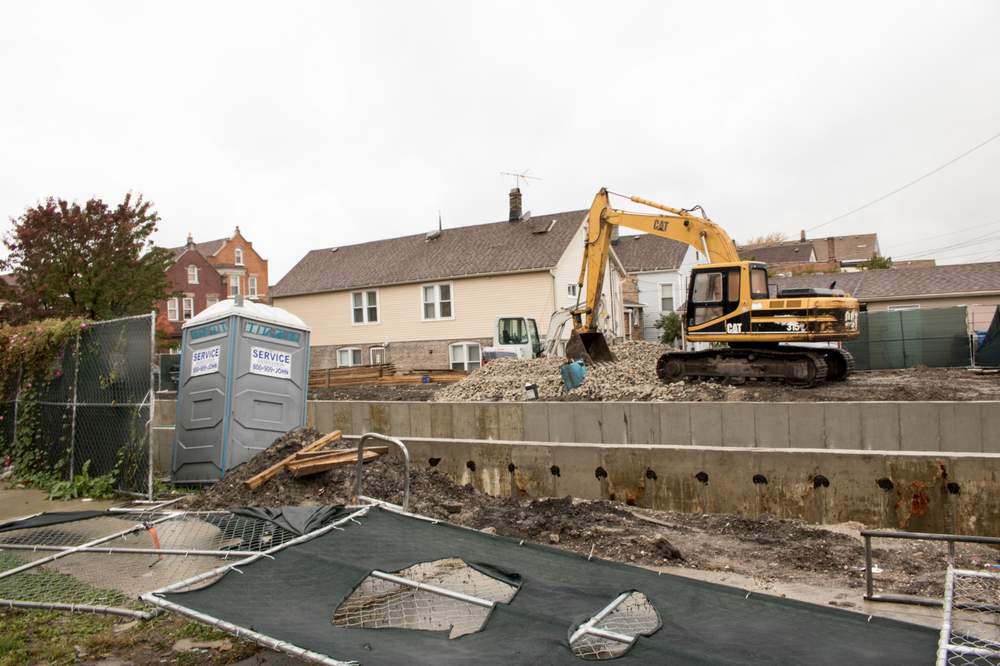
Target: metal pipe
[(243, 632), (610, 635), (77, 549), (944, 640), (588, 626), (869, 582), (134, 551), (81, 608), (72, 425), (406, 582), (406, 464), (960, 538), (152, 397)]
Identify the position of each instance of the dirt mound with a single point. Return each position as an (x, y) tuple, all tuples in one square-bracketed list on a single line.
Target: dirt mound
[(632, 376)]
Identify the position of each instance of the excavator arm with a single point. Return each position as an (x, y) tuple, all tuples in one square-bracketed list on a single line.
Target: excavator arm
[(677, 224)]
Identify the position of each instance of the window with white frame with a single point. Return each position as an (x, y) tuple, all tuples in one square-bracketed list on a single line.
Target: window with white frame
[(376, 355), (234, 285), (436, 301), (173, 313), (364, 307), (464, 355), (572, 290), (188, 304), (252, 286), (666, 298), (348, 356), (238, 255), (192, 274), (211, 300)]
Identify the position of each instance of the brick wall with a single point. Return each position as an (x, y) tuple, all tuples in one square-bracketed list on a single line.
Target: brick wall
[(422, 355), (253, 264), (209, 285)]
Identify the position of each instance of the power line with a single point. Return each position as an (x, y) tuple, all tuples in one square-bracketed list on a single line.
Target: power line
[(946, 234), (909, 184)]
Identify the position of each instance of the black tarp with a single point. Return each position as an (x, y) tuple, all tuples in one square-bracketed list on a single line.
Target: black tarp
[(988, 353), (293, 598), (51, 518), (295, 519)]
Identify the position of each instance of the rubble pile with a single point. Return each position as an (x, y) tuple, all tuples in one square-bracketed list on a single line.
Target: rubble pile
[(632, 376)]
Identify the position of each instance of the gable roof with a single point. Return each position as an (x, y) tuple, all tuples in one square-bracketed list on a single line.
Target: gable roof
[(791, 252), (890, 283), (646, 252), (482, 249), (208, 248), (860, 247)]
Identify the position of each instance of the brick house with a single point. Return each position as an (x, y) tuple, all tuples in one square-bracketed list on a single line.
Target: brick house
[(205, 273), (431, 301)]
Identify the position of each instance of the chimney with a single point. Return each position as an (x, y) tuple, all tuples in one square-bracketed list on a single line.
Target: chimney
[(190, 241), (515, 205), (802, 236), (831, 249)]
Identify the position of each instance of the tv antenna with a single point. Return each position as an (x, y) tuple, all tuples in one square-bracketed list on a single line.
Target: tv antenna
[(518, 177)]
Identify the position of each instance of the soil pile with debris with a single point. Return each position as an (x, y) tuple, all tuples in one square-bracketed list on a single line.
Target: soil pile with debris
[(632, 376)]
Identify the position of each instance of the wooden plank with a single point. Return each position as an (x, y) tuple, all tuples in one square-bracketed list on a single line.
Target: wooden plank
[(323, 464), (310, 455), (259, 479)]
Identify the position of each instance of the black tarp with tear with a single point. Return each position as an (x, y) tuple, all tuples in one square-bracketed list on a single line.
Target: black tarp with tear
[(988, 353), (295, 519), (293, 598), (51, 518)]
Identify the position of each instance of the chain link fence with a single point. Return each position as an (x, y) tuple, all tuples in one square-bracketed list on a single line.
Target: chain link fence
[(94, 405), (970, 631)]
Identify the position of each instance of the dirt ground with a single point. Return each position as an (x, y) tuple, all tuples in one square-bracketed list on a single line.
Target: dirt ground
[(411, 392), (766, 549)]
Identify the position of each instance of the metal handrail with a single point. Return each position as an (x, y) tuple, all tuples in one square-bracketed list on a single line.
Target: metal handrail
[(406, 464)]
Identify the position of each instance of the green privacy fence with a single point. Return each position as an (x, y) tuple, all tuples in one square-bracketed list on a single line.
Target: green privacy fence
[(937, 338)]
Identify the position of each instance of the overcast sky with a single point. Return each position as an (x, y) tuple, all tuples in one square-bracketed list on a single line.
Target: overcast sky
[(324, 123)]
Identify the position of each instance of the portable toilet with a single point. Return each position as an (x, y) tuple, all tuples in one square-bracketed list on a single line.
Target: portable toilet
[(243, 383)]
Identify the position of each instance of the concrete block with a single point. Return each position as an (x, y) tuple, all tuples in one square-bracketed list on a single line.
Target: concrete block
[(165, 412), (487, 421), (627, 475), (706, 423), (380, 416), (343, 418), (577, 466), (675, 423), (614, 421), (561, 421), (587, 423), (399, 419), (163, 450), (420, 419), (322, 416), (644, 423), (310, 413), (806, 425), (879, 426), (738, 428), (511, 419), (990, 414), (441, 419), (961, 426), (463, 420), (536, 421), (771, 424), (920, 426), (843, 425), (361, 420)]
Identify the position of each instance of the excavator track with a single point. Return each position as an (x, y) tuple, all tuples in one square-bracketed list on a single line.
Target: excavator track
[(797, 366)]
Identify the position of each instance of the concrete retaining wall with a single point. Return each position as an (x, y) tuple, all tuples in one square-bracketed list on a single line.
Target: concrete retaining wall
[(953, 493), (867, 426)]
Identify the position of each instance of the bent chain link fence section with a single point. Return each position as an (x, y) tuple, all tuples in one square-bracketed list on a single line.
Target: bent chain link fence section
[(970, 629)]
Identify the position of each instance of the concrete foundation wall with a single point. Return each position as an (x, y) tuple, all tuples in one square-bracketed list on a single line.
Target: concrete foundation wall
[(951, 493)]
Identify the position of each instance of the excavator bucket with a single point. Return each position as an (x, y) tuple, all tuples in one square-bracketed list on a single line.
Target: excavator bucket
[(589, 347)]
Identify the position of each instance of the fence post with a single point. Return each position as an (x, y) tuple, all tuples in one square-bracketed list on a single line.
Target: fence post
[(72, 425), (17, 399), (152, 398)]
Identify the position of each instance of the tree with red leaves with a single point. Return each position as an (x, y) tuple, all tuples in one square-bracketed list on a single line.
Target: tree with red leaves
[(92, 261)]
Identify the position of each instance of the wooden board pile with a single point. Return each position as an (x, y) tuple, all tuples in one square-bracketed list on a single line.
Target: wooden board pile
[(314, 458)]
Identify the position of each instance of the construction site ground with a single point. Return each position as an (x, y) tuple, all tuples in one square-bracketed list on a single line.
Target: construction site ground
[(633, 377)]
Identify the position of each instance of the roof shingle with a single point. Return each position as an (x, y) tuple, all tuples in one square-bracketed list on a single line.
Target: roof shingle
[(794, 252), (646, 252), (208, 248), (860, 247), (901, 282), (483, 249)]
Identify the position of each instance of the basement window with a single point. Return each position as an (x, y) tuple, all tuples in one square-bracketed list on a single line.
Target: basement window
[(627, 617), (464, 356), (348, 356), (452, 597)]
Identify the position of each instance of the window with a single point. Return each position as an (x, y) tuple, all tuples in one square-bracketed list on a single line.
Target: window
[(437, 301), (192, 274), (234, 285), (211, 300), (239, 256), (707, 288), (572, 290), (758, 283), (733, 286), (188, 304), (364, 307), (666, 298), (348, 356), (252, 286), (513, 331), (464, 355), (172, 313), (376, 355)]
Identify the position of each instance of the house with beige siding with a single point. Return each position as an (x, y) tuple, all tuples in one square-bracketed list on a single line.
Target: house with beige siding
[(431, 301)]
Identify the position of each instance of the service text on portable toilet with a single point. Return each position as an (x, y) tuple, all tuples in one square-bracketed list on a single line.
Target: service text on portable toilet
[(243, 382)]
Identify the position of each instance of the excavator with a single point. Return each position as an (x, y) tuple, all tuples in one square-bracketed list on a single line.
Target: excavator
[(728, 302)]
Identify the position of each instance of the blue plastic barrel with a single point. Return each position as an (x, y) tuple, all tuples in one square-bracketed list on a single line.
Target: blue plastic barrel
[(573, 374)]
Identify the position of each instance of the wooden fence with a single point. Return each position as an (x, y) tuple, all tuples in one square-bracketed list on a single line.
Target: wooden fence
[(361, 375)]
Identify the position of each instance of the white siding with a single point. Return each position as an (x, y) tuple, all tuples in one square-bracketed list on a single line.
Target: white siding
[(649, 291)]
